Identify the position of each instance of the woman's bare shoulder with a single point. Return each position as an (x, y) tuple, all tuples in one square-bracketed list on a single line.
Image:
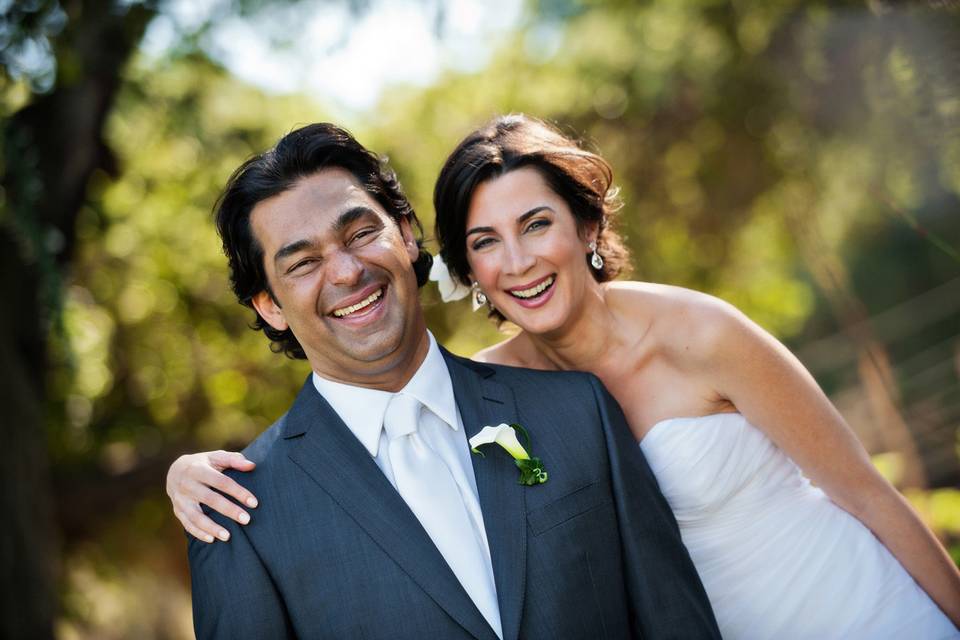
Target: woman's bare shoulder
[(671, 296), (683, 320)]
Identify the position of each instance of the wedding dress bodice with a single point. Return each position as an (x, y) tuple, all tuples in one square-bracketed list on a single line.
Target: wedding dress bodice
[(777, 558)]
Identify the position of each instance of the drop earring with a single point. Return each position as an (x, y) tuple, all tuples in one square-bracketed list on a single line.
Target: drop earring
[(479, 297), (596, 260)]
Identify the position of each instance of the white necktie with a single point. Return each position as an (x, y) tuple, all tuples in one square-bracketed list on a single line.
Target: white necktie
[(424, 481)]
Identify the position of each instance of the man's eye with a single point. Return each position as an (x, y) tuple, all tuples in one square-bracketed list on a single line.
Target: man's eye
[(363, 233), (299, 266)]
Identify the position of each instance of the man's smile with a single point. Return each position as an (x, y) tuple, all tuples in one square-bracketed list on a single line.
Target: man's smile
[(358, 307)]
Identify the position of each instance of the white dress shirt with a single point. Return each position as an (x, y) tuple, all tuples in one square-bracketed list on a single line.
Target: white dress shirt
[(440, 426)]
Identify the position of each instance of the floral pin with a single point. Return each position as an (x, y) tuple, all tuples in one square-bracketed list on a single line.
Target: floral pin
[(505, 435), (450, 289)]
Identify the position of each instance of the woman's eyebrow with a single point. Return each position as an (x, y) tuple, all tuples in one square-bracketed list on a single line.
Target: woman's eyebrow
[(523, 217)]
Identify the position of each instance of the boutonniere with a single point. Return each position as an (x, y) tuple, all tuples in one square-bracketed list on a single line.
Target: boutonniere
[(505, 435)]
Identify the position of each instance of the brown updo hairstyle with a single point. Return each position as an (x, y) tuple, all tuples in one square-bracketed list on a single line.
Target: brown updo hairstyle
[(583, 179)]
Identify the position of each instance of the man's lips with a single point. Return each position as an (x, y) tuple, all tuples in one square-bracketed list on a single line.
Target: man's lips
[(359, 302), (532, 289)]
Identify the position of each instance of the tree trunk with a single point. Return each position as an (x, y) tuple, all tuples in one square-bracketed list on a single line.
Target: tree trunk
[(51, 147)]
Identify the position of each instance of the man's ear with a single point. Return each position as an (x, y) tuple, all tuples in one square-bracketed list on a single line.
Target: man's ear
[(269, 310), (409, 240)]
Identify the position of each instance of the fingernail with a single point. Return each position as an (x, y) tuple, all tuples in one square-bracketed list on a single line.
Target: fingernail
[(244, 517), (208, 538), (224, 535), (252, 503)]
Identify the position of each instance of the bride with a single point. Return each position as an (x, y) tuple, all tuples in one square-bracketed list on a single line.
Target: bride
[(733, 426)]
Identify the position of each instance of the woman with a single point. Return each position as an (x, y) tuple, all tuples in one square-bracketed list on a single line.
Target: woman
[(725, 415)]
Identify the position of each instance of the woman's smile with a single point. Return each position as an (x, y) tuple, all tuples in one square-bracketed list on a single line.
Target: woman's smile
[(534, 294)]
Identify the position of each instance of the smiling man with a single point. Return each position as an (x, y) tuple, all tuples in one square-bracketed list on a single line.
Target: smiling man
[(375, 520)]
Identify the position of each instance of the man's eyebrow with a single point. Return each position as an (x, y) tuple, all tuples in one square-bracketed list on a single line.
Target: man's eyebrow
[(290, 249), (343, 221), (523, 217), (350, 216)]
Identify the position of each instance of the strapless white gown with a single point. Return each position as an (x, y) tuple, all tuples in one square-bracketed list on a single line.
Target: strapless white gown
[(778, 559)]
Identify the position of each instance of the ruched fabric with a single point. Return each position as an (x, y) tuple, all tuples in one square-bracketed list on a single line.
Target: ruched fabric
[(777, 558)]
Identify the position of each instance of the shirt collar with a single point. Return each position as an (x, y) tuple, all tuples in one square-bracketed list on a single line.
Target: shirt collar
[(362, 409)]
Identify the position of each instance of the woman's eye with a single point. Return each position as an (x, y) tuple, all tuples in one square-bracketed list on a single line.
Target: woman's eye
[(481, 243), (537, 224)]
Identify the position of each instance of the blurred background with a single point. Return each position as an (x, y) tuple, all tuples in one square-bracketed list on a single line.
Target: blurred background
[(798, 159)]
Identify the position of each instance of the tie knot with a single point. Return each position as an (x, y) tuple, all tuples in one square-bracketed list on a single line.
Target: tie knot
[(402, 416)]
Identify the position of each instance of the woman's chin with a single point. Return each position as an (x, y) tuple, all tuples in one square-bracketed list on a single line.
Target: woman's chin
[(543, 320)]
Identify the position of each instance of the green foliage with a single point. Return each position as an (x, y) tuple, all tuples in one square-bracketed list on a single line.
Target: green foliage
[(159, 349), (757, 146)]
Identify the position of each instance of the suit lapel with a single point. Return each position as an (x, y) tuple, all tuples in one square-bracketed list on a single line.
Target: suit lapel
[(323, 446), (483, 401)]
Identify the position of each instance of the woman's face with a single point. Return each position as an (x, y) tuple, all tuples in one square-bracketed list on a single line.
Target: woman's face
[(526, 252)]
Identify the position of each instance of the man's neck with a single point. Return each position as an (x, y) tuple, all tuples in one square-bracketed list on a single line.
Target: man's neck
[(394, 375)]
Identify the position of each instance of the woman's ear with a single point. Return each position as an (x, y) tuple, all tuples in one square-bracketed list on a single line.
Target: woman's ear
[(590, 232)]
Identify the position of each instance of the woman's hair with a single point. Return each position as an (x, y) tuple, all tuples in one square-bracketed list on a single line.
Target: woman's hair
[(583, 179), (298, 155)]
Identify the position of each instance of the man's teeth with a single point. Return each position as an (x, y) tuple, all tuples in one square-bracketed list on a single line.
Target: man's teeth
[(535, 290), (366, 302)]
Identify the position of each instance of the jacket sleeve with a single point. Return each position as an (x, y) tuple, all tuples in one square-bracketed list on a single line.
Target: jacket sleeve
[(233, 594), (666, 596)]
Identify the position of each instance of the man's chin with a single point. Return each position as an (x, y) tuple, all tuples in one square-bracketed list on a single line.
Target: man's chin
[(373, 346)]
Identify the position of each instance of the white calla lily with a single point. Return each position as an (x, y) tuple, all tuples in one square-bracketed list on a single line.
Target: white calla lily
[(450, 289), (505, 436)]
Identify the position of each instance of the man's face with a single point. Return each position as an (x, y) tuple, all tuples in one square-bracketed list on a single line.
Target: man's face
[(341, 271)]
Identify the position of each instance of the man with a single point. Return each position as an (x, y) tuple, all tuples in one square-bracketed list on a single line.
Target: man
[(375, 520)]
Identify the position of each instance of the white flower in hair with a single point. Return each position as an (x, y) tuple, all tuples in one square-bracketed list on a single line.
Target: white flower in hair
[(450, 289)]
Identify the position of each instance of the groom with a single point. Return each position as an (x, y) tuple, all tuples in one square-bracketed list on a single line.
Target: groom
[(376, 521)]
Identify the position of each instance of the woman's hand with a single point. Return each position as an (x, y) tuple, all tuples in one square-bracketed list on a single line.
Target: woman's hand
[(190, 482)]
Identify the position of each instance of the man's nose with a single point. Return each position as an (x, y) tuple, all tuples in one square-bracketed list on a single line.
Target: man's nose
[(343, 268)]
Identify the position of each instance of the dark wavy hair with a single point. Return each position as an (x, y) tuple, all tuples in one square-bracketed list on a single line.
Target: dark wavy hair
[(297, 155), (582, 178)]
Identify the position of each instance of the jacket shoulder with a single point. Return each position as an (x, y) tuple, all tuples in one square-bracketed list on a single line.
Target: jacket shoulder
[(261, 448), (540, 378)]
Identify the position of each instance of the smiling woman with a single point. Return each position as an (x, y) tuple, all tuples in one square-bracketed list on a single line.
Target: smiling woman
[(738, 433), (557, 176), (732, 424)]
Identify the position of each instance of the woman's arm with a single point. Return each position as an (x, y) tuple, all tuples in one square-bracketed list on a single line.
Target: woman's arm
[(773, 390), (190, 482)]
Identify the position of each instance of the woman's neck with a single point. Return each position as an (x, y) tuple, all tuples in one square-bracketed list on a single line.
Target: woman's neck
[(587, 340)]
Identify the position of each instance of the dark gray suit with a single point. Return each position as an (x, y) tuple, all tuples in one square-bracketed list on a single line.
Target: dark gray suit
[(334, 552)]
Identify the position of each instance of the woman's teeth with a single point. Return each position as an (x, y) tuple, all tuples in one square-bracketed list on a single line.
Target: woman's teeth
[(366, 302), (533, 291)]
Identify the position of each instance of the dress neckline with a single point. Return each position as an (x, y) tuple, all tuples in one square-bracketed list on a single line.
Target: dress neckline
[(659, 423)]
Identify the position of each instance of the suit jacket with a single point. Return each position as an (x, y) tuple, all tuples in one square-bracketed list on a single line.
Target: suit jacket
[(334, 552)]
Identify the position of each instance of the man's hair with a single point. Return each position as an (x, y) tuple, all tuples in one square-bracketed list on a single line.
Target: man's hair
[(582, 178), (297, 155)]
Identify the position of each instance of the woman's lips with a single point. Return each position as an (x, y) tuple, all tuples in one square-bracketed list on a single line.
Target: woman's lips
[(534, 294)]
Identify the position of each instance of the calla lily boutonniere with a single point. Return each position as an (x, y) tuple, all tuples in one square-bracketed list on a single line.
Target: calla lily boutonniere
[(505, 435)]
